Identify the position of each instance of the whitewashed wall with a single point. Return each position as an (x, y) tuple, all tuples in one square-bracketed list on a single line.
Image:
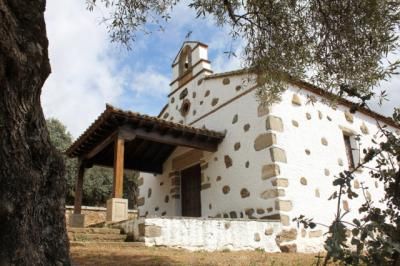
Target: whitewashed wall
[(212, 234), (304, 181)]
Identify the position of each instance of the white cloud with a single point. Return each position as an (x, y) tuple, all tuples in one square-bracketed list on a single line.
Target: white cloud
[(84, 75), (150, 83)]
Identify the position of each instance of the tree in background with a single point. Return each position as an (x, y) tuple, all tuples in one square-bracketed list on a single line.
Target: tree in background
[(98, 181)]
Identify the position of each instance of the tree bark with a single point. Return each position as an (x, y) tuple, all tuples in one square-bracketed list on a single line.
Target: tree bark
[(32, 184)]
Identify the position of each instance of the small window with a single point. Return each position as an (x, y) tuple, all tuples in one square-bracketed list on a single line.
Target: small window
[(352, 151)]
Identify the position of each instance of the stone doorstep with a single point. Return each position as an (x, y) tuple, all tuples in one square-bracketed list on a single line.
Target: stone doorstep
[(93, 230), (105, 244), (96, 237)]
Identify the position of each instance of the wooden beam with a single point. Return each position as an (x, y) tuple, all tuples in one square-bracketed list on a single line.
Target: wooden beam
[(119, 154), (79, 188), (168, 138), (98, 148)]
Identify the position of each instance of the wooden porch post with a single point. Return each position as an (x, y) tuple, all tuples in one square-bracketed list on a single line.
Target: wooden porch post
[(79, 189), (118, 167)]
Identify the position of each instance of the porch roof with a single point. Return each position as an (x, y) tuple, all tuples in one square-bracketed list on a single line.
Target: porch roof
[(149, 141)]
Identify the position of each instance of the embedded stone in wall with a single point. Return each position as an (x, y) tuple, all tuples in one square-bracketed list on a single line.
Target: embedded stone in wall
[(172, 100), (257, 237), (236, 146), (317, 194), (233, 215), (324, 142), (163, 213), (227, 225), (307, 151), (356, 184), (264, 140), (140, 201), (176, 181), (226, 215), (270, 170), (219, 178), (140, 181), (278, 155), (247, 164), (214, 101), (364, 129), (280, 182), (326, 172), (320, 116), (303, 181), (205, 186), (269, 231), (349, 116), (183, 94), (246, 127), (244, 193), (291, 248), (166, 200), (283, 205), (149, 193), (274, 123), (249, 212), (270, 209), (156, 209), (199, 82), (194, 112), (340, 162), (329, 118), (235, 119), (295, 123), (228, 161), (315, 233), (260, 211), (194, 94), (296, 99), (272, 193), (238, 88), (165, 116), (286, 235), (226, 189), (152, 231), (201, 102), (262, 110), (308, 115), (346, 205), (226, 81), (204, 166), (161, 183)]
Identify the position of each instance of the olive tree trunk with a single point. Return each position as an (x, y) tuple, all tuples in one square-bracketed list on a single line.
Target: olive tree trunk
[(32, 185)]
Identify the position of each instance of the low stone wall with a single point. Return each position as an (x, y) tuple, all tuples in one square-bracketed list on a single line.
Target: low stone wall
[(211, 234), (94, 215)]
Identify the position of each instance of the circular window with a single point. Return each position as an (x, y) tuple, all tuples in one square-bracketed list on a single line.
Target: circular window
[(185, 107)]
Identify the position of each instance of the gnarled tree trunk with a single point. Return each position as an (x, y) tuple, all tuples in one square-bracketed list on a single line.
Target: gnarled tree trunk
[(32, 185)]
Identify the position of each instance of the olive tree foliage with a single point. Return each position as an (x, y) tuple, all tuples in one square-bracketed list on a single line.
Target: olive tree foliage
[(338, 45)]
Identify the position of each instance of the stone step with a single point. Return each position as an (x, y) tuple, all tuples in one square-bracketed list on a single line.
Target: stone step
[(96, 237), (105, 244), (90, 230)]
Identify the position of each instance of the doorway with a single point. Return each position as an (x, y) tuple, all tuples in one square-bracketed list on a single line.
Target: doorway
[(190, 190)]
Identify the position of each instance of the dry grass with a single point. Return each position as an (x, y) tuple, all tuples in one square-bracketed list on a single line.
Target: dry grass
[(103, 255)]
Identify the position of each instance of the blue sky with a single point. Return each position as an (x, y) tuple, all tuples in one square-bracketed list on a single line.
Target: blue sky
[(88, 71)]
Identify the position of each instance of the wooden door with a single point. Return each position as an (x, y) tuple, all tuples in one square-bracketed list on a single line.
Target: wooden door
[(190, 189)]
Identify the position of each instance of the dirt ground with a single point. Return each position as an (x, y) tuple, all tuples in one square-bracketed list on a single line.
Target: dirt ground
[(103, 255)]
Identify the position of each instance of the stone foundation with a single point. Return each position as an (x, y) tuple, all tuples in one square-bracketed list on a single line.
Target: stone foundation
[(93, 215), (211, 234)]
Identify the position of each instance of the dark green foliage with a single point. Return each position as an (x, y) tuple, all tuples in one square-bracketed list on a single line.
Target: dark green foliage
[(98, 181)]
